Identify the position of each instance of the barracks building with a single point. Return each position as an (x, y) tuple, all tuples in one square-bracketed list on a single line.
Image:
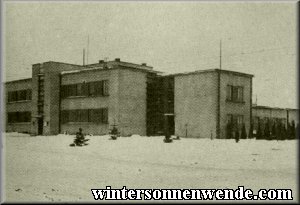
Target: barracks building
[(62, 97)]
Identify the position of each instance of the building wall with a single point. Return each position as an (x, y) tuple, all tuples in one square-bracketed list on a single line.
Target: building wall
[(21, 106), (195, 103), (132, 102), (126, 102), (235, 108), (293, 115), (110, 102), (51, 71)]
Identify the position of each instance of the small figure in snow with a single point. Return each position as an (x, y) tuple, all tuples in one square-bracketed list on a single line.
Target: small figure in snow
[(79, 139), (237, 136)]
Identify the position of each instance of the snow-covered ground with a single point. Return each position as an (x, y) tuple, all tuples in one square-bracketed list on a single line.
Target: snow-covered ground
[(47, 169)]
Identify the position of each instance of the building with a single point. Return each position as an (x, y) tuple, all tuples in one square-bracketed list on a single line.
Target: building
[(62, 97), (205, 101), (274, 115)]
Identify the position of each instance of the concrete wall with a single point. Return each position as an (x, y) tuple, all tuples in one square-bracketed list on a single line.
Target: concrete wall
[(293, 116), (51, 95), (126, 102), (110, 102), (21, 106), (195, 104), (132, 102), (235, 108)]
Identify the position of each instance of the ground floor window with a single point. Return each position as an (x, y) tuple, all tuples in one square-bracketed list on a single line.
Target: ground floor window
[(17, 117), (236, 121), (85, 115)]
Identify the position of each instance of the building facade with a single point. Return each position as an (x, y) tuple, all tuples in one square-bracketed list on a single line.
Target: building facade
[(206, 101), (273, 115), (61, 98)]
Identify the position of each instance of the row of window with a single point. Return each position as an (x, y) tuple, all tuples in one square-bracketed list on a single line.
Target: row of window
[(19, 95), (99, 88), (269, 119), (85, 115), (15, 117), (235, 93)]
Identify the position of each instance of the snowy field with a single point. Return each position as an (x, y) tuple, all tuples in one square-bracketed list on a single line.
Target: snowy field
[(46, 169)]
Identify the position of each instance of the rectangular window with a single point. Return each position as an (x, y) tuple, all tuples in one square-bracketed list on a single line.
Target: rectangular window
[(228, 91), (28, 94), (17, 117), (229, 118), (105, 115), (64, 116), (236, 120), (84, 115), (96, 115), (78, 90), (235, 93), (240, 120), (98, 88), (19, 95), (91, 87), (105, 88), (240, 97)]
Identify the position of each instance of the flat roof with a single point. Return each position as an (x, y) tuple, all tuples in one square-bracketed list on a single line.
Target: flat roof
[(212, 70), (271, 108), (101, 68), (15, 81)]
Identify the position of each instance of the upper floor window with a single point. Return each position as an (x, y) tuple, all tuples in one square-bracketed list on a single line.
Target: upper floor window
[(19, 95), (235, 93), (99, 88)]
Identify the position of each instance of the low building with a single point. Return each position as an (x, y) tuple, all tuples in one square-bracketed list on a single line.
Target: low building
[(274, 115), (63, 97)]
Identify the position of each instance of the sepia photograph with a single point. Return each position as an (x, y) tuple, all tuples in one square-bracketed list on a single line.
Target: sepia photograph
[(149, 101)]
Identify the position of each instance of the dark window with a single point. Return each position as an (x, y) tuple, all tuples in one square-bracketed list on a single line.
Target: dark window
[(64, 116), (28, 95), (15, 117), (98, 88), (105, 88), (84, 115), (105, 115), (235, 93), (235, 120), (91, 89), (19, 95), (229, 93), (95, 115)]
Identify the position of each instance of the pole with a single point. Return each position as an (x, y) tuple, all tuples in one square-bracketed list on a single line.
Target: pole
[(87, 52), (83, 57), (221, 54)]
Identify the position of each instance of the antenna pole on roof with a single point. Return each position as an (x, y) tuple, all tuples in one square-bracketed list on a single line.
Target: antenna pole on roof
[(83, 57), (87, 50), (221, 54)]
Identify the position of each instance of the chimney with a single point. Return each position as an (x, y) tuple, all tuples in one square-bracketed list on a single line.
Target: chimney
[(144, 64), (101, 61), (117, 59)]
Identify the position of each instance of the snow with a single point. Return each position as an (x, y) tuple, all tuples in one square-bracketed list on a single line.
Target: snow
[(47, 169)]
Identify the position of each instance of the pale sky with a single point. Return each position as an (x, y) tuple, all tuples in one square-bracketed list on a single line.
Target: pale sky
[(257, 38)]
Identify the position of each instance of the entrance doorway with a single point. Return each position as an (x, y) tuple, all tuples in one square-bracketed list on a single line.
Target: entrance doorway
[(40, 126)]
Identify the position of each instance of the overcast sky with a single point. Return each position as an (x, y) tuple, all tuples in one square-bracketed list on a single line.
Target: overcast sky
[(257, 38)]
